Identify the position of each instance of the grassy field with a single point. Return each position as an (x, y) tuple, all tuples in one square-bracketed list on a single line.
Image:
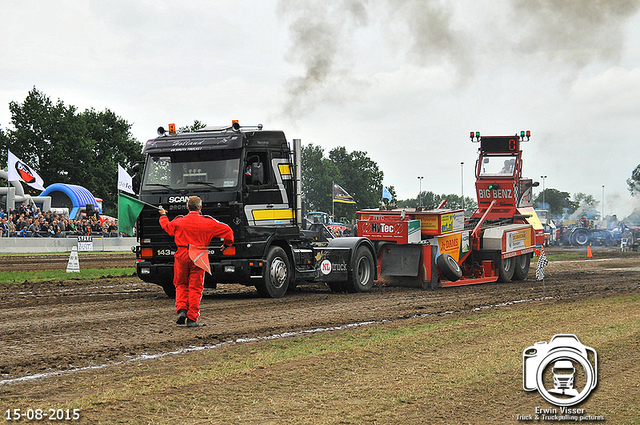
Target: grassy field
[(457, 369), (46, 275)]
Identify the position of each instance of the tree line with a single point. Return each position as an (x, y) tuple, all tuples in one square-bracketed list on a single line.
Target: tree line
[(65, 145), (68, 146)]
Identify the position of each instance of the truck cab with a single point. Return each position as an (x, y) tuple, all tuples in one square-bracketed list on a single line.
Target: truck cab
[(246, 178)]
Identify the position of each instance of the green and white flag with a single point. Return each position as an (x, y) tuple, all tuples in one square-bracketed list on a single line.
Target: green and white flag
[(128, 211)]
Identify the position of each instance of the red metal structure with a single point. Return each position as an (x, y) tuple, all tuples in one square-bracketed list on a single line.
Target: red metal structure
[(495, 243)]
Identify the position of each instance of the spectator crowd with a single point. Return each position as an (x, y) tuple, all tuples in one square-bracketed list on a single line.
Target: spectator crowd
[(28, 221)]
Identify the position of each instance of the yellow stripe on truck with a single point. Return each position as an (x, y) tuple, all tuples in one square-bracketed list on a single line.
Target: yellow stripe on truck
[(272, 214), (285, 169)]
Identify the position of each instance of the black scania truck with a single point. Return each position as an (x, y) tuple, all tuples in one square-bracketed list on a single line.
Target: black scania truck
[(248, 178)]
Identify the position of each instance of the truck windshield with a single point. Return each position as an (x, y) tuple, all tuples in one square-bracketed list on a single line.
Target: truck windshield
[(500, 165), (202, 169)]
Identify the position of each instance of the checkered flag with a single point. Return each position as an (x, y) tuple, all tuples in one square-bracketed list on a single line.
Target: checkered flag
[(542, 263)]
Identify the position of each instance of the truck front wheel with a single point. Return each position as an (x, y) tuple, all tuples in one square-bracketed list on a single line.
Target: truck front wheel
[(169, 289), (506, 269), (277, 274)]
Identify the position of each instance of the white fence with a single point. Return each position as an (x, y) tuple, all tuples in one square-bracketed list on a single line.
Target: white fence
[(33, 245)]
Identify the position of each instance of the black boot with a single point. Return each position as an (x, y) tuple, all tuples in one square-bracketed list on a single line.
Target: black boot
[(193, 323), (182, 316)]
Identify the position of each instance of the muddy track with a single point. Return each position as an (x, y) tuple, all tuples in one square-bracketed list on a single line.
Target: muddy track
[(16, 263), (62, 325)]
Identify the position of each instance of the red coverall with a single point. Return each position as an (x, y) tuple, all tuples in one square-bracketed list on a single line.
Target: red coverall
[(197, 230)]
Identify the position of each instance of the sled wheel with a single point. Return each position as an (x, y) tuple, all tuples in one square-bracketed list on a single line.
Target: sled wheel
[(449, 267), (521, 269), (277, 274), (506, 269)]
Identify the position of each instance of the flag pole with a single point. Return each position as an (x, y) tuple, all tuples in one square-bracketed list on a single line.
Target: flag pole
[(146, 203), (139, 200), (333, 200)]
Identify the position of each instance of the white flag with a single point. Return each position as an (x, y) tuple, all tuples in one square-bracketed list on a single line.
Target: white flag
[(18, 170), (125, 183)]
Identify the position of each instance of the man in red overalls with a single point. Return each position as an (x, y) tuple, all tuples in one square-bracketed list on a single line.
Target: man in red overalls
[(196, 230)]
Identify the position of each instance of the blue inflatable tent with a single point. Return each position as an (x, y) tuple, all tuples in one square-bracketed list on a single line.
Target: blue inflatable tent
[(70, 196)]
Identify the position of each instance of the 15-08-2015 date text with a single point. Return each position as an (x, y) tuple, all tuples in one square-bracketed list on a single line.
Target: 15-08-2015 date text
[(42, 414)]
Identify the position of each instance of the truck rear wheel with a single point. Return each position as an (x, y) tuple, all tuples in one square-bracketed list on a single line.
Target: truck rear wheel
[(506, 269), (449, 267), (361, 279), (521, 269), (277, 274)]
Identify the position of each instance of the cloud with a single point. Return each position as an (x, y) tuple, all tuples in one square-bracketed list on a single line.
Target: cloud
[(574, 32), (319, 32), (431, 35), (457, 37)]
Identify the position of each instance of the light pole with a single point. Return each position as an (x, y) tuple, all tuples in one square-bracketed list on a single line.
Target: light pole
[(420, 192), (462, 184), (544, 204), (602, 202)]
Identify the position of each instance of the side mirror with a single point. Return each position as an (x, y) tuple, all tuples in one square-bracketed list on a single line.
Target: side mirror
[(257, 173)]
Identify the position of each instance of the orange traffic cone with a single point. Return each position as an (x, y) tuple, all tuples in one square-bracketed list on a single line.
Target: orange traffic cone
[(589, 254)]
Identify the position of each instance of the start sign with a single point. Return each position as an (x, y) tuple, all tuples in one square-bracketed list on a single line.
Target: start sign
[(85, 243)]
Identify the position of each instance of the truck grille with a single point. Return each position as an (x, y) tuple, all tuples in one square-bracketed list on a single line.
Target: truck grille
[(150, 228)]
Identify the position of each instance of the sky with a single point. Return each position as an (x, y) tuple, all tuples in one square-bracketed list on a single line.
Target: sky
[(403, 80)]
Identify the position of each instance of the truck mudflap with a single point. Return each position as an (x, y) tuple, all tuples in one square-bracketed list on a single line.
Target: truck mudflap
[(332, 264), (408, 265)]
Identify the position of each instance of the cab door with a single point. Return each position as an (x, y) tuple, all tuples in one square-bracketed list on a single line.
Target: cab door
[(267, 182)]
